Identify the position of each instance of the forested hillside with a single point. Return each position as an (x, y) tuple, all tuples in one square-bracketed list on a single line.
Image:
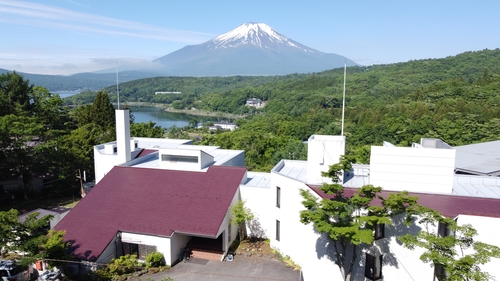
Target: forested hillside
[(455, 98), (81, 81)]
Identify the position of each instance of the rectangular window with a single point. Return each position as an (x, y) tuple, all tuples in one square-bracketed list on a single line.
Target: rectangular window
[(278, 196), (130, 249), (373, 267), (179, 158), (443, 229), (229, 233), (278, 230), (439, 272), (379, 231), (140, 250), (145, 250)]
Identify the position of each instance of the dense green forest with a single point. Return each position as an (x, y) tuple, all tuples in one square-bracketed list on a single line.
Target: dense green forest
[(455, 98)]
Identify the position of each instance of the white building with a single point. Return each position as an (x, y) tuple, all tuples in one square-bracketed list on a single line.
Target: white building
[(276, 202), (158, 194)]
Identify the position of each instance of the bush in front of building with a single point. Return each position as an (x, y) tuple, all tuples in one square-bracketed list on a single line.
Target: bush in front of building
[(155, 259)]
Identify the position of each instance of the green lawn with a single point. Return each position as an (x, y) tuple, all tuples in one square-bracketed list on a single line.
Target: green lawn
[(44, 203)]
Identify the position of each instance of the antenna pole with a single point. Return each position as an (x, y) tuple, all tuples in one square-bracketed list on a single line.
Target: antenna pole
[(117, 89), (343, 100)]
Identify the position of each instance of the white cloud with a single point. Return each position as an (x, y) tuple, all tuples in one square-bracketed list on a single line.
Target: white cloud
[(33, 14)]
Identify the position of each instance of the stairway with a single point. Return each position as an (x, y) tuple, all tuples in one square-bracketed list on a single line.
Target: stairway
[(206, 254)]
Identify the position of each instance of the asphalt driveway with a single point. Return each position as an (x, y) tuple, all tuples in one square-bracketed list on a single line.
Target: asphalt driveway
[(241, 268)]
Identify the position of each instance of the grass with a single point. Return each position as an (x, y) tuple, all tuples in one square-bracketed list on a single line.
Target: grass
[(44, 203)]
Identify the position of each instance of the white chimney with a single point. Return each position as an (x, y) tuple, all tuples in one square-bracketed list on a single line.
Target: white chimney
[(322, 152), (123, 135)]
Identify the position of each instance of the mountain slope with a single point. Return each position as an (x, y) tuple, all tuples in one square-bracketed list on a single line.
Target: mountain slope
[(250, 49), (82, 81)]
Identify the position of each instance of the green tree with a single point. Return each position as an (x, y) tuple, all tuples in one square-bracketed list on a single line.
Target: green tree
[(24, 236), (146, 130), (14, 94), (240, 215), (30, 118), (102, 111), (54, 247), (349, 221), (454, 257), (177, 133)]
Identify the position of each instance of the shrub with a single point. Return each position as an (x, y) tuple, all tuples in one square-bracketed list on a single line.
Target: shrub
[(155, 259), (124, 264)]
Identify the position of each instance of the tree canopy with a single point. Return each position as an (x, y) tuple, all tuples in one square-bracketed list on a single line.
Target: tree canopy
[(454, 253), (350, 221)]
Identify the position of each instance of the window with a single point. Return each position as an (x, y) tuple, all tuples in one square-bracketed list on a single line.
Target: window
[(439, 272), (229, 233), (443, 230), (277, 230), (115, 149), (379, 231), (140, 250), (373, 267), (130, 249), (278, 196), (179, 158)]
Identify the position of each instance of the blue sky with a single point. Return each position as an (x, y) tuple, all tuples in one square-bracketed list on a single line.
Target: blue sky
[(72, 36)]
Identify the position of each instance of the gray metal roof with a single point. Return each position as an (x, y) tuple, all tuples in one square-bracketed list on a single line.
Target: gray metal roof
[(476, 186), (479, 159), (258, 179), (45, 212), (294, 169)]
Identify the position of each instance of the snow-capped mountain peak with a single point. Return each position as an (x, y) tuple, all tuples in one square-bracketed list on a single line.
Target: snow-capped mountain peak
[(257, 34), (250, 49)]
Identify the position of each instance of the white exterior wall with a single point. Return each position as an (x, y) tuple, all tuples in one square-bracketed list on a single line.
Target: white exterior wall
[(487, 230), (177, 241), (412, 169), (204, 159), (123, 135), (162, 243), (261, 201), (299, 241), (226, 224), (103, 163), (311, 250), (398, 262), (322, 152)]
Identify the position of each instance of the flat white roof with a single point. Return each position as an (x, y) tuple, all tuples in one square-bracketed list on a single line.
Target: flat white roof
[(481, 158), (476, 186), (294, 169), (149, 143), (258, 179), (221, 156)]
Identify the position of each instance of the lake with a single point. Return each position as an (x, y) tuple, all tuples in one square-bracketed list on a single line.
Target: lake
[(144, 114), (65, 94), (165, 119)]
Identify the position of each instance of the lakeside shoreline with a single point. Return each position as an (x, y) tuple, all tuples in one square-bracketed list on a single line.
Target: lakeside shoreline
[(194, 112)]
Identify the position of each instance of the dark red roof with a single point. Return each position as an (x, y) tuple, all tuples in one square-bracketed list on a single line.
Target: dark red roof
[(150, 201), (448, 205)]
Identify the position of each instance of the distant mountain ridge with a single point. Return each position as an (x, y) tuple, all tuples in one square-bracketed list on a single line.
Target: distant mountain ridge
[(250, 49), (82, 81)]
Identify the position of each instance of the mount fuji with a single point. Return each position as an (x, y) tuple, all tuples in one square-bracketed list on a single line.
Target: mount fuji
[(250, 49)]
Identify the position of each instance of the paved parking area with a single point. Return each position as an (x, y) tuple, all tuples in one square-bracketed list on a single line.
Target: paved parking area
[(241, 268)]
